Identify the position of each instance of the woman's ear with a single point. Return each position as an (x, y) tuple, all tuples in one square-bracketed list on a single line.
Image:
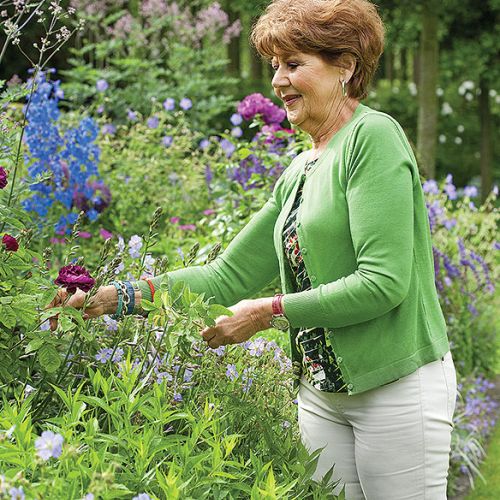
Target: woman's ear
[(348, 64)]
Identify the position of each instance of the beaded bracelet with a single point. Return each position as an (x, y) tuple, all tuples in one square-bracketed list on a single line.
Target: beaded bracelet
[(119, 309), (131, 295)]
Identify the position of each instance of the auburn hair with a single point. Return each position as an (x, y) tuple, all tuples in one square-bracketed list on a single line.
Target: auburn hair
[(329, 28)]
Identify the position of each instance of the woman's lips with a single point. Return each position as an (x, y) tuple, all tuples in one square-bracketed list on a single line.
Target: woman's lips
[(289, 101)]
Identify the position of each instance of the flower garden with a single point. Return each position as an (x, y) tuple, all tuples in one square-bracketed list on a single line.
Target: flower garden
[(118, 166)]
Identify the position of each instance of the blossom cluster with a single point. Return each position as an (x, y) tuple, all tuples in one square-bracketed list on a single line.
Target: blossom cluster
[(256, 104), (62, 166)]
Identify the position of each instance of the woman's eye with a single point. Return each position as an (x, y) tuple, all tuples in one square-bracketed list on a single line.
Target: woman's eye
[(292, 65)]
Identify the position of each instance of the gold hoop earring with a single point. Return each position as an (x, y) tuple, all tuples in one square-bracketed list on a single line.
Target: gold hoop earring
[(344, 92)]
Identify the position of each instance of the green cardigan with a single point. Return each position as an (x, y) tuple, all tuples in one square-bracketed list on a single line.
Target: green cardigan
[(364, 233)]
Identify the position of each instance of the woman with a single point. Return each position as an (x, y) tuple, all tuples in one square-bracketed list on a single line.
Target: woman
[(346, 228)]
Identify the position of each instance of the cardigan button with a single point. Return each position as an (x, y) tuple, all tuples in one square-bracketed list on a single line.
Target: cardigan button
[(339, 359), (350, 387), (304, 251), (313, 278), (299, 224)]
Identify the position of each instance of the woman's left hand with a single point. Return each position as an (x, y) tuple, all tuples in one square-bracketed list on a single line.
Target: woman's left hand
[(249, 317)]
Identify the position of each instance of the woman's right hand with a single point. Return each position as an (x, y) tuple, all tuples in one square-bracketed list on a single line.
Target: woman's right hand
[(103, 302)]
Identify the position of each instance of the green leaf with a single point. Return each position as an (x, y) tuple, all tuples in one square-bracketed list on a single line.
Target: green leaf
[(216, 310), (49, 358), (244, 153), (34, 345)]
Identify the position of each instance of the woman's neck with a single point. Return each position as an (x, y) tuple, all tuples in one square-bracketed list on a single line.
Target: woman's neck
[(322, 137)]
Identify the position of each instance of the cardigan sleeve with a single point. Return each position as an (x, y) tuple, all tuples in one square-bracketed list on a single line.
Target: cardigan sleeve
[(379, 195), (245, 267)]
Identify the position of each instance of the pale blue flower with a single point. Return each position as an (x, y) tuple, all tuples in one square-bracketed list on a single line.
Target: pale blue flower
[(204, 144), (111, 324), (135, 245), (231, 372), (167, 141), (169, 104), (186, 103), (132, 115), (470, 191), (142, 496), (104, 355), (101, 85), (430, 187), (49, 445), (153, 122), (108, 129), (237, 132), (177, 397), (236, 119), (16, 493)]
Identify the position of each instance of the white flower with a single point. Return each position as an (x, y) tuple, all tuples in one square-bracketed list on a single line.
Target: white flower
[(469, 96), (458, 140), (442, 138), (460, 129), (412, 87), (439, 91), (493, 93), (468, 85), (446, 109)]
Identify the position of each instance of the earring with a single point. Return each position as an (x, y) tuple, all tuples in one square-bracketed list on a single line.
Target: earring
[(344, 92)]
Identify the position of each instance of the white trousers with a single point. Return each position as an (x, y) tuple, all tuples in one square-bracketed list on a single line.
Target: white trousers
[(392, 442)]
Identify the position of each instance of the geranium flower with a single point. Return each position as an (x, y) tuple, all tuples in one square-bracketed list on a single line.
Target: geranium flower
[(101, 85), (10, 243), (49, 445), (72, 277), (186, 103), (3, 178)]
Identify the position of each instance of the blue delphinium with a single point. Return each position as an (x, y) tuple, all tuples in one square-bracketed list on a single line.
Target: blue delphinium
[(65, 160)]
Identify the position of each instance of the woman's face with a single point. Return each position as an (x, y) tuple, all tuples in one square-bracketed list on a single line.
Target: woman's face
[(309, 87)]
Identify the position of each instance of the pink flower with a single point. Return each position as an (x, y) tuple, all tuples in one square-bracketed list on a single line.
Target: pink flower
[(105, 234), (72, 277), (187, 227), (175, 220), (57, 241), (10, 243), (84, 234), (208, 211)]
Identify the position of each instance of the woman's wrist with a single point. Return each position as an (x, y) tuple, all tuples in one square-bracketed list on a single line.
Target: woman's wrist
[(265, 312), (107, 296)]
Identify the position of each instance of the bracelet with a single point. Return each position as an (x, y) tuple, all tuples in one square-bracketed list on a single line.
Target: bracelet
[(152, 288), (119, 309), (277, 304), (131, 296)]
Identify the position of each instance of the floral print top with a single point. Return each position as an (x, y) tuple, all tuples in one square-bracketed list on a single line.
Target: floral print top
[(319, 364)]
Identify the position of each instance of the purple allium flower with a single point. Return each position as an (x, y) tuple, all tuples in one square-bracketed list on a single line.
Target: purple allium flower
[(108, 129), (49, 445), (142, 496), (3, 178), (236, 119), (135, 245), (72, 277), (153, 122), (132, 115), (167, 141), (231, 372), (169, 104), (204, 144), (10, 243), (101, 85), (16, 493), (186, 103), (236, 132)]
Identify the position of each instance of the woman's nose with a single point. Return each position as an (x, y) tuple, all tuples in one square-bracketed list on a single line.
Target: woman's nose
[(280, 79)]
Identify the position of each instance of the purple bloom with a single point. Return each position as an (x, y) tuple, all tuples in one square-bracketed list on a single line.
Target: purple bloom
[(104, 233), (187, 227), (449, 223), (108, 129), (135, 245), (88, 496), (132, 115), (160, 376), (470, 191), (286, 424), (188, 375), (430, 187), (111, 325), (72, 277), (3, 178), (219, 351), (236, 132), (204, 144), (101, 85), (153, 122), (49, 445), (208, 211), (100, 109), (104, 355), (236, 119), (228, 147), (84, 234), (167, 141), (142, 496), (177, 397), (256, 104), (186, 103), (169, 104), (449, 188), (175, 220), (16, 493), (231, 372)]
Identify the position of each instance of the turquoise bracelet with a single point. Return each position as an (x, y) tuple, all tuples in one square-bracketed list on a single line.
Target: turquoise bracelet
[(119, 309)]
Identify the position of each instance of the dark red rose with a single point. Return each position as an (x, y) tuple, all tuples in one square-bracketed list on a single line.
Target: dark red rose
[(72, 277), (10, 243), (3, 178)]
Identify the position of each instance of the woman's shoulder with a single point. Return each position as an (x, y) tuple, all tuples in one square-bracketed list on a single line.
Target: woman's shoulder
[(374, 120)]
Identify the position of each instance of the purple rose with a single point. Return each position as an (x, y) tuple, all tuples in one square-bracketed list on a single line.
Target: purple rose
[(10, 243), (3, 178), (72, 277)]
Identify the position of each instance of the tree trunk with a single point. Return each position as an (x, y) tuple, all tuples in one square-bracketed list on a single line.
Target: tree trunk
[(256, 67), (427, 99), (416, 66), (404, 64), (233, 48), (389, 65), (486, 160)]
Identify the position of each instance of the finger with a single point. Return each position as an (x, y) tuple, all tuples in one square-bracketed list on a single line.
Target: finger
[(208, 334)]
